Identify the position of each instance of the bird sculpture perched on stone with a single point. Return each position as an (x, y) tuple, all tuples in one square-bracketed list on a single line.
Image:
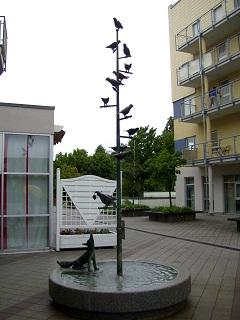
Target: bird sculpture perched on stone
[(114, 83), (120, 75), (118, 24), (127, 66), (126, 110), (132, 131), (126, 50), (105, 101), (114, 45), (105, 198)]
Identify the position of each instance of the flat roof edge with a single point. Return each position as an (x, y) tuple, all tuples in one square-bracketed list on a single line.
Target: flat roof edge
[(30, 106)]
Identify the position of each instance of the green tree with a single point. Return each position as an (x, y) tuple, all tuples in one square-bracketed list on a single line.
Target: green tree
[(102, 164), (164, 166), (144, 145)]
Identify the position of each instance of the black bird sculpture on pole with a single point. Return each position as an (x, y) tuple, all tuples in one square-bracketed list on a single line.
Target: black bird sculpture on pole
[(120, 75), (118, 24), (127, 66), (114, 83), (113, 46), (132, 131), (126, 110), (105, 101), (126, 51)]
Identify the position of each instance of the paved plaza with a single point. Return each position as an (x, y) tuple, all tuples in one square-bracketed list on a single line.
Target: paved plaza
[(208, 247)]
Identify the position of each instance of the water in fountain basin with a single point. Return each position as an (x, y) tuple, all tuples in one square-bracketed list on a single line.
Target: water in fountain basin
[(135, 274)]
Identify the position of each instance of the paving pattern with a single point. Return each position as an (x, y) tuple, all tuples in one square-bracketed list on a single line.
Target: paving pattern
[(208, 247)]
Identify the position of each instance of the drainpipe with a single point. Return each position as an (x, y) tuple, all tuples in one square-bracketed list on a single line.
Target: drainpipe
[(202, 47)]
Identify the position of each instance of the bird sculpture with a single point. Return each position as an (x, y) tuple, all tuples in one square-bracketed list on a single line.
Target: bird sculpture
[(127, 66), (132, 131), (126, 110), (105, 101), (113, 45), (126, 50), (118, 24), (114, 83), (122, 155), (105, 198), (120, 75), (122, 147)]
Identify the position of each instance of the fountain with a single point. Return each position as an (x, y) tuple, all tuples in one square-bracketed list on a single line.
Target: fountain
[(145, 290)]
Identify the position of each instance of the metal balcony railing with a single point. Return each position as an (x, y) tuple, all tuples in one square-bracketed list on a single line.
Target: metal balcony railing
[(213, 151), (206, 22), (3, 44), (217, 56), (227, 96)]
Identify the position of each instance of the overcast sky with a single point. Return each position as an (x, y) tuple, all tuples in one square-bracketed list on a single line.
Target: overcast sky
[(57, 57)]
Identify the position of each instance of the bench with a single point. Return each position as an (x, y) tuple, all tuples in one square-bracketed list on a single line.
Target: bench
[(237, 220)]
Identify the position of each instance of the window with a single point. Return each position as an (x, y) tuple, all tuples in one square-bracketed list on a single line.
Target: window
[(195, 28), (236, 4), (189, 105), (225, 92), (217, 14), (222, 51), (214, 139), (190, 143)]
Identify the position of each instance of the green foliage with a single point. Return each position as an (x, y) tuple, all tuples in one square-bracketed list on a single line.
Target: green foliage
[(172, 209), (130, 206)]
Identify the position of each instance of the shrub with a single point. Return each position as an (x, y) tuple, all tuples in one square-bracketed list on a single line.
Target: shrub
[(171, 209), (130, 206)]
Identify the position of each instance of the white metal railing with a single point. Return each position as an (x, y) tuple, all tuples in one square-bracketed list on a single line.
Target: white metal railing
[(206, 21), (227, 94), (224, 51)]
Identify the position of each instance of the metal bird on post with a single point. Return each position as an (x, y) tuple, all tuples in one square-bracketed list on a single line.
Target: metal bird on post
[(105, 198), (126, 110), (127, 67), (120, 75), (132, 131), (114, 83), (126, 51), (118, 24), (122, 155), (122, 147), (105, 101), (113, 46)]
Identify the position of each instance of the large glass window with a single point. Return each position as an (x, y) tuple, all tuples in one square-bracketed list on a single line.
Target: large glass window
[(25, 196)]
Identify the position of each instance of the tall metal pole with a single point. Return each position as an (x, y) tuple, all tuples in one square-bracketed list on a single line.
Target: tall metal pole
[(119, 191)]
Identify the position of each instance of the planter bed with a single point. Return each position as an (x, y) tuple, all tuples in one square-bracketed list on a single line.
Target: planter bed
[(77, 240), (172, 216), (134, 212)]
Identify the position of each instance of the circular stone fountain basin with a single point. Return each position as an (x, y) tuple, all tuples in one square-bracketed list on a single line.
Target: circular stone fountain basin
[(144, 290)]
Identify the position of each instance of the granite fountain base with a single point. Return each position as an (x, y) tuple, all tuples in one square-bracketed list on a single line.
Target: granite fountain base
[(146, 290)]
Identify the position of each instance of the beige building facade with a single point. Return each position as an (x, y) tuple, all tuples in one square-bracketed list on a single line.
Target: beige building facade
[(205, 69)]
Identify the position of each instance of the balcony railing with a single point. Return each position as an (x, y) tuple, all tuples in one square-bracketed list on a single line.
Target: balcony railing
[(228, 96), (224, 149), (208, 21), (3, 44), (226, 51)]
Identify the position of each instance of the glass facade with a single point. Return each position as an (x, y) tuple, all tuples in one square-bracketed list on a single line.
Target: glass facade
[(24, 191)]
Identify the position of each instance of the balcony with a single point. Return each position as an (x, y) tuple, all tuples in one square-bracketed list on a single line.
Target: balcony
[(216, 63), (214, 25), (215, 151), (227, 102), (3, 44)]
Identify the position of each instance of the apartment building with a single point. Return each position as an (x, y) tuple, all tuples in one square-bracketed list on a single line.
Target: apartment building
[(205, 69)]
